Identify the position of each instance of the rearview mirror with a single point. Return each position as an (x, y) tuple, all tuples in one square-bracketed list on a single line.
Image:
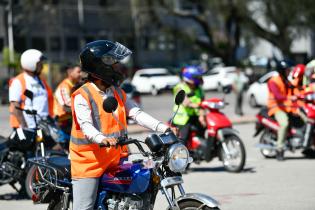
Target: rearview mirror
[(29, 94), (110, 104), (180, 96)]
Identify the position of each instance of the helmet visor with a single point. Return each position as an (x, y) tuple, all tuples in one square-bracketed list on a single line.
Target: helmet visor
[(119, 52), (109, 60)]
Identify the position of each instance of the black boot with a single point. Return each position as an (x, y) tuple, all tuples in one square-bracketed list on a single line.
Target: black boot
[(280, 155)]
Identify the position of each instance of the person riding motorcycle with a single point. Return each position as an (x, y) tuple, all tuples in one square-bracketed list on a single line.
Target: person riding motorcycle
[(189, 113), (62, 101), (93, 127), (278, 103), (23, 124)]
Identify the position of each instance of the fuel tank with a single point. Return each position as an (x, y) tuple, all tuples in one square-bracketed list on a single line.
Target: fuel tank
[(126, 178)]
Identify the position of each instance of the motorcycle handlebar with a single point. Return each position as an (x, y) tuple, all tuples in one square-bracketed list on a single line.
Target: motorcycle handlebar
[(27, 111), (125, 141)]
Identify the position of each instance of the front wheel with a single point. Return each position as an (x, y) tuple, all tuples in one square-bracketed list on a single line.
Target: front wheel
[(33, 183), (194, 205), (232, 152)]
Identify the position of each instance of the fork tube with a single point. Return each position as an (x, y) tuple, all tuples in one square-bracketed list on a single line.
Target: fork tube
[(42, 149), (181, 189), (168, 197)]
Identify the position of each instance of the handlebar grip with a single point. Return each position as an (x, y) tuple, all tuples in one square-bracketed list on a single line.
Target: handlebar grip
[(120, 141), (27, 111)]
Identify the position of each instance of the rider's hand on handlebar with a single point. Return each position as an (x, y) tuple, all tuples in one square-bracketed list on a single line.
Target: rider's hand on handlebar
[(109, 141)]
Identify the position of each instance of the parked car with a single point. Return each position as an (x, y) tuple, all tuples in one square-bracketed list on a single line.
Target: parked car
[(218, 77), (154, 80), (257, 93)]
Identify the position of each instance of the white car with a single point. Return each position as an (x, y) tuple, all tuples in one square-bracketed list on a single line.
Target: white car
[(257, 93), (154, 80), (217, 78)]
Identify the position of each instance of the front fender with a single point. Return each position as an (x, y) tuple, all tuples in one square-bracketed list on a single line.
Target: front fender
[(226, 132), (205, 199)]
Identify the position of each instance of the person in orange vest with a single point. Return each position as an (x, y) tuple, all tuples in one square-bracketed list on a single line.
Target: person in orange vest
[(279, 103), (32, 65), (92, 126), (62, 100)]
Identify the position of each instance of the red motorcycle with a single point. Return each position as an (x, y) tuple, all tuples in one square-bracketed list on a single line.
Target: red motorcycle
[(300, 135), (219, 139)]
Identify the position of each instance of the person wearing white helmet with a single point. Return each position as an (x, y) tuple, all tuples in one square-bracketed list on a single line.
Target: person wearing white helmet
[(29, 79)]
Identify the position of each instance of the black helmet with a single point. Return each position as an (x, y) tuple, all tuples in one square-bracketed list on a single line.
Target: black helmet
[(97, 58), (284, 65)]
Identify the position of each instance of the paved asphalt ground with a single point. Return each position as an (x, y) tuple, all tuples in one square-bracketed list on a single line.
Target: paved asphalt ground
[(263, 185)]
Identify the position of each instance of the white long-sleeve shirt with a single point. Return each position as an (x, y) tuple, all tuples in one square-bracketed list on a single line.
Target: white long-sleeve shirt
[(85, 121)]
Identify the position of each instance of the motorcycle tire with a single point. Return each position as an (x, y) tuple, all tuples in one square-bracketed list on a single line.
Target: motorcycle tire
[(266, 152), (240, 166), (194, 205), (31, 177)]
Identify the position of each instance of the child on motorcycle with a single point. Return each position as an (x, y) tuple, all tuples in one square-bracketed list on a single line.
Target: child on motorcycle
[(189, 113)]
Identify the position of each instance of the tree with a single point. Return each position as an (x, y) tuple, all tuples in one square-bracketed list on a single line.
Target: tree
[(278, 22), (221, 43)]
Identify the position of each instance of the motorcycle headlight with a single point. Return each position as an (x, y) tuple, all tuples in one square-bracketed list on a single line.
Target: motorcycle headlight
[(178, 158)]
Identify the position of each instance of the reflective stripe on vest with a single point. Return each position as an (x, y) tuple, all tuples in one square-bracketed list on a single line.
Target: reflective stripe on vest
[(85, 141), (88, 159)]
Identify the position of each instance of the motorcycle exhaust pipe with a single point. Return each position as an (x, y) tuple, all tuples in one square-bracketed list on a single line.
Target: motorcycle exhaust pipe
[(265, 146)]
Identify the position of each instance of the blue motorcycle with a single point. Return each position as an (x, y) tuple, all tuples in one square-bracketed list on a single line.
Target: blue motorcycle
[(130, 186)]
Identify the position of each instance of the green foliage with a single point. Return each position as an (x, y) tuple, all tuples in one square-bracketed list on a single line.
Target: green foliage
[(6, 59)]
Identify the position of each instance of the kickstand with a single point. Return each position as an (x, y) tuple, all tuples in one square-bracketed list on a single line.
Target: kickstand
[(14, 187)]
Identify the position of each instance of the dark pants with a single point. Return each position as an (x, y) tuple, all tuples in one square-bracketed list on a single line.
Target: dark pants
[(184, 130), (239, 103)]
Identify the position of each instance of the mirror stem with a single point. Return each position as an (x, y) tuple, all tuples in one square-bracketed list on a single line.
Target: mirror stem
[(174, 115)]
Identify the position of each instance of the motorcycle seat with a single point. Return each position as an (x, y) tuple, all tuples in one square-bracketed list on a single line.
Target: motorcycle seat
[(62, 165)]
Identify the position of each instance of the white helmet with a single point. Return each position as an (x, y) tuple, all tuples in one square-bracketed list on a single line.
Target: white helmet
[(30, 58)]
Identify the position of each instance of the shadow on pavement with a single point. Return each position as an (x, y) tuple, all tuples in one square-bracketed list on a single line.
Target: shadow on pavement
[(207, 169), (13, 196), (219, 169)]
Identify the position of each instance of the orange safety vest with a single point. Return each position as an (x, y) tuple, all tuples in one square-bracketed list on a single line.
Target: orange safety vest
[(88, 159), (273, 105), (13, 120), (298, 103), (58, 108)]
